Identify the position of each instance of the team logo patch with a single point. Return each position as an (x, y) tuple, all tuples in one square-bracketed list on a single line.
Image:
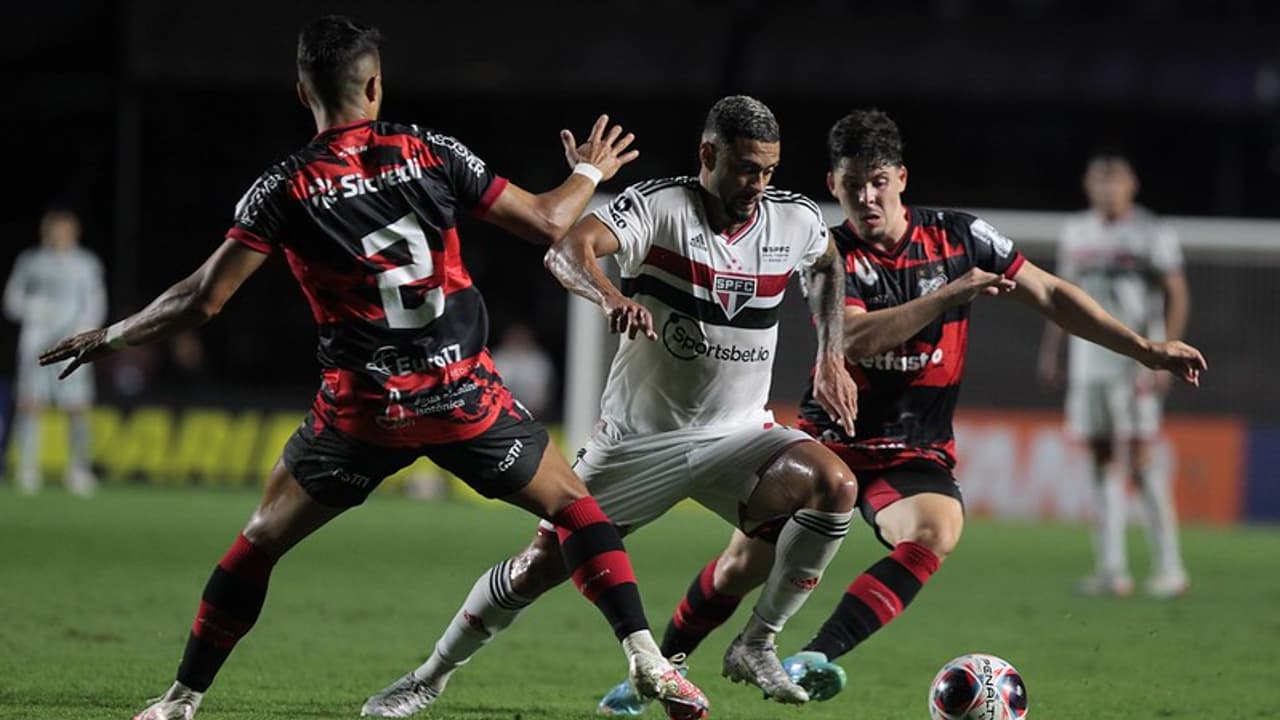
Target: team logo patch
[(733, 292), (806, 584), (927, 285)]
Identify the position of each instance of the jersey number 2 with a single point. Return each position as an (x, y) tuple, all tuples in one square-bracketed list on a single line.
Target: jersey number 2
[(391, 283)]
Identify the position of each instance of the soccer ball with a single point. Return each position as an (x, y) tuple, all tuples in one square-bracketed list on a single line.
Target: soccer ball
[(977, 687)]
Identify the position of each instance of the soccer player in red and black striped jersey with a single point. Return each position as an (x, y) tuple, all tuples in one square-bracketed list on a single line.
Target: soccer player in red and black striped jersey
[(911, 275), (366, 214)]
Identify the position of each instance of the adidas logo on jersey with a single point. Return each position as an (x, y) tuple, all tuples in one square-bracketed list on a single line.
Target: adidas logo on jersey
[(698, 241)]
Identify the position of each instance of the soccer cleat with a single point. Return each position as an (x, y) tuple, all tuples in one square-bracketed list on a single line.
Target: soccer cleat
[(655, 678), (179, 703), (820, 677), (1167, 585), (624, 701), (402, 698), (28, 482), (1099, 585), (757, 664), (81, 482)]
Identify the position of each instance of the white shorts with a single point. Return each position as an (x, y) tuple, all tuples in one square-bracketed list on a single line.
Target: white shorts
[(40, 385), (635, 480), (1124, 410)]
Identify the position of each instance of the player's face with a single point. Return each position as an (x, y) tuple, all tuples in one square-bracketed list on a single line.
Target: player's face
[(871, 196), (1111, 186), (740, 171), (60, 232)]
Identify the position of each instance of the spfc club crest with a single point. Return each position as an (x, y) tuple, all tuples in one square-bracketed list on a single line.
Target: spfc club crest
[(733, 292)]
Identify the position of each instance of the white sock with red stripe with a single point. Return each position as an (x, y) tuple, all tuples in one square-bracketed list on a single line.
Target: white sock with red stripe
[(806, 544), (490, 608)]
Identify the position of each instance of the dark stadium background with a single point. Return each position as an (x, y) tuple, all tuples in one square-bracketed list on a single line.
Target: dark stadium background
[(151, 118)]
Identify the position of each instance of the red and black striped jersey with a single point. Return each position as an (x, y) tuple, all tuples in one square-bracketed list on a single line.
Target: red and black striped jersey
[(366, 216), (907, 395)]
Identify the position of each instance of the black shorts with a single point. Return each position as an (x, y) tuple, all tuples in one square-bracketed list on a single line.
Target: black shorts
[(877, 489), (337, 470)]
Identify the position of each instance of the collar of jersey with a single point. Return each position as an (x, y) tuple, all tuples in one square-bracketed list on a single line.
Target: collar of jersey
[(339, 129), (901, 245)]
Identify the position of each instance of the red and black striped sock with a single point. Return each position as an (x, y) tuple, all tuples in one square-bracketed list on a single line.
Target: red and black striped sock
[(874, 598), (600, 565), (701, 610), (230, 605)]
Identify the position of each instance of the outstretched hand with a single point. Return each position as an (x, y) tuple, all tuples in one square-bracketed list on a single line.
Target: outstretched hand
[(80, 349), (605, 148), (1185, 362)]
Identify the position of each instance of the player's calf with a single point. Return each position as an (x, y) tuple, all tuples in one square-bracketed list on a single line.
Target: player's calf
[(229, 607)]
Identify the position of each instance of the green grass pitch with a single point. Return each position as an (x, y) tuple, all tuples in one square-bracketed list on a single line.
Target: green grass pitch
[(96, 598)]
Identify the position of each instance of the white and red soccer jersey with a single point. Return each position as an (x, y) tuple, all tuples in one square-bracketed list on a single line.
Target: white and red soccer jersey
[(1121, 265), (714, 300)]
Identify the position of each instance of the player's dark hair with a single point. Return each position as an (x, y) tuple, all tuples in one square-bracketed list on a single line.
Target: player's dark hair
[(329, 51), (869, 135), (740, 116), (1109, 153)]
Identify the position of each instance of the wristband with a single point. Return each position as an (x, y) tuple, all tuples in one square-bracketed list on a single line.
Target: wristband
[(115, 337), (591, 172)]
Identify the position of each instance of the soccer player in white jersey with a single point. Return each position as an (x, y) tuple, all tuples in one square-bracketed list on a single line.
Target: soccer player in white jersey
[(1121, 254), (705, 262), (54, 290)]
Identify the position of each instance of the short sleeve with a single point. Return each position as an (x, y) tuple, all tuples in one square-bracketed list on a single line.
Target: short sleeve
[(628, 216), (1166, 252), (818, 240), (260, 214), (474, 185), (989, 249)]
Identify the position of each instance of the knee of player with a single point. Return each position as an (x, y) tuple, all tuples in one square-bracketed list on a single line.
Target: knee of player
[(836, 488), (264, 535), (940, 538)]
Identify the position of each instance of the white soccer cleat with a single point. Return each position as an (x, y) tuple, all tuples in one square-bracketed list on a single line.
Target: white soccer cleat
[(757, 663), (1168, 585), (179, 703), (1099, 585), (655, 678), (81, 482), (403, 698), (27, 482)]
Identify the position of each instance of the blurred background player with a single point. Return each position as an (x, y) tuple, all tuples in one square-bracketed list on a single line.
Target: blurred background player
[(911, 275), (526, 368), (366, 214), (1130, 262), (55, 290)]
